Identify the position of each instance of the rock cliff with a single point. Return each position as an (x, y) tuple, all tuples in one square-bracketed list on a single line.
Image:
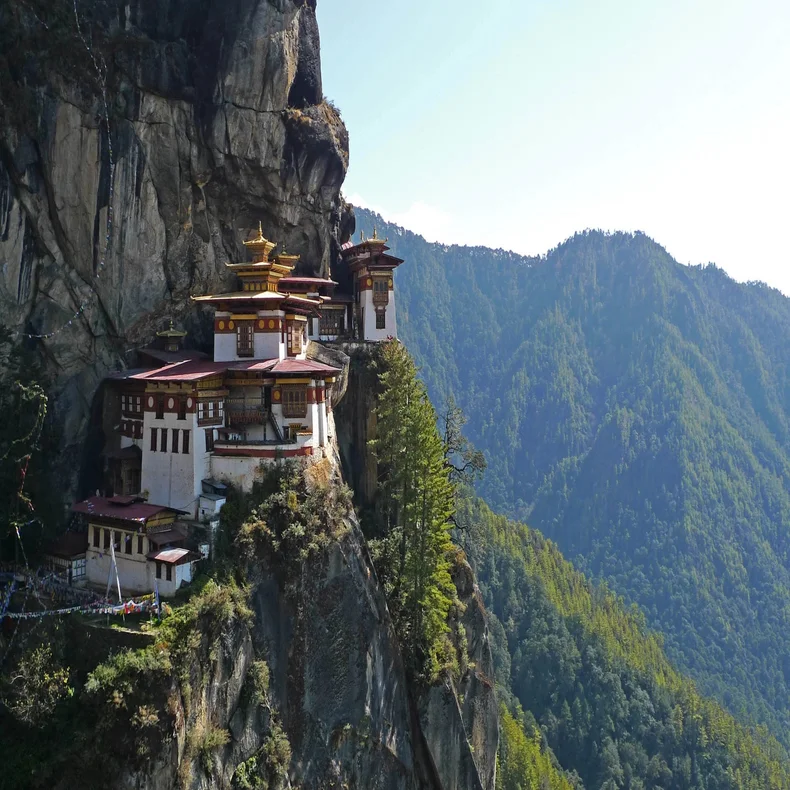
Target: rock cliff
[(216, 120)]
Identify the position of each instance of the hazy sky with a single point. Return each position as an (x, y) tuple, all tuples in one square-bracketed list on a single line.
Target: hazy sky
[(515, 123)]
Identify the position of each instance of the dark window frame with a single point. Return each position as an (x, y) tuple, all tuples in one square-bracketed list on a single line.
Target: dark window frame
[(245, 339), (294, 407)]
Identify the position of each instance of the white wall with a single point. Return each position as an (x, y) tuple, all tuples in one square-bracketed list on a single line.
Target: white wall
[(133, 570), (173, 479), (269, 345), (369, 318), (225, 347)]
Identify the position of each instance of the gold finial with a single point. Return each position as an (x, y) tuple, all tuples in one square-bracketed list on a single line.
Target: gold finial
[(171, 331), (260, 246), (375, 237)]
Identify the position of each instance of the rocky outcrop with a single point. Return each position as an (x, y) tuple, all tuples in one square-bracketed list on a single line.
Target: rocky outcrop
[(461, 720), (216, 121)]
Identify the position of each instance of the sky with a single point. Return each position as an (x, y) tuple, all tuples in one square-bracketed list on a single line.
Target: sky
[(516, 123)]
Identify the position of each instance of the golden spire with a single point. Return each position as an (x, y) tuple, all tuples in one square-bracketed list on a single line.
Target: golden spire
[(374, 239), (260, 246)]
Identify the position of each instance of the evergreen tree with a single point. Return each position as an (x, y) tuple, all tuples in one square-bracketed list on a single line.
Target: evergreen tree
[(418, 500)]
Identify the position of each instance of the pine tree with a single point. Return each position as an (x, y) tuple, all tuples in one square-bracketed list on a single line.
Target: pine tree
[(418, 502)]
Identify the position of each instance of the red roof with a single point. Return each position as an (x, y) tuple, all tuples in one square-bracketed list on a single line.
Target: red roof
[(173, 556), (192, 370), (137, 511), (172, 356), (292, 366)]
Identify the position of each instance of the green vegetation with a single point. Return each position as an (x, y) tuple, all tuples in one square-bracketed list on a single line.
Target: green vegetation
[(636, 412), (524, 763), (416, 502), (610, 705), (29, 500)]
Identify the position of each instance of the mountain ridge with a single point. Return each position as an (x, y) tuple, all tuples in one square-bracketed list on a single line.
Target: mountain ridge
[(636, 411)]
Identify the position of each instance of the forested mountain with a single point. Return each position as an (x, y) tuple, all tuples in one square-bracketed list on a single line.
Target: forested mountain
[(610, 706), (635, 411)]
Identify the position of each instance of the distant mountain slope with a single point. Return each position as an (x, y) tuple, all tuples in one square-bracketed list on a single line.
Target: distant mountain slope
[(637, 412), (609, 704)]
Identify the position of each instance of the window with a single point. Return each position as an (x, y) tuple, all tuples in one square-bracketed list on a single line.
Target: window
[(209, 440), (244, 341), (106, 539), (169, 570), (153, 440), (201, 411), (163, 447), (124, 404), (127, 544), (381, 320), (182, 407), (174, 445), (78, 569), (158, 570), (134, 481), (294, 401), (295, 335), (116, 540), (96, 537), (160, 406), (380, 291), (185, 442), (140, 544), (332, 322)]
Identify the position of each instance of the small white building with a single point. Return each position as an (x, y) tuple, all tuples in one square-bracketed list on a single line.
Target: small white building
[(66, 556), (144, 539)]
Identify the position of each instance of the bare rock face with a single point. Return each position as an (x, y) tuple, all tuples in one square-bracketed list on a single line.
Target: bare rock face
[(460, 721), (216, 121)]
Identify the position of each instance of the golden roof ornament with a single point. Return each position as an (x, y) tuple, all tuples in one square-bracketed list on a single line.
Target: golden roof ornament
[(171, 331), (260, 246), (374, 239)]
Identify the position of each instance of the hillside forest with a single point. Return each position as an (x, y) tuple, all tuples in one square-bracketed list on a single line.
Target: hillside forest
[(636, 412)]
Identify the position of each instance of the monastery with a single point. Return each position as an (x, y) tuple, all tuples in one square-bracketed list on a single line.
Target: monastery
[(186, 426)]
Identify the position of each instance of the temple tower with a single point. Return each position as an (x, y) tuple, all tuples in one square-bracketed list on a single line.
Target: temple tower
[(373, 274)]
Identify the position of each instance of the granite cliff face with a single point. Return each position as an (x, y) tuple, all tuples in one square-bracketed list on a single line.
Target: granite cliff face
[(216, 120)]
